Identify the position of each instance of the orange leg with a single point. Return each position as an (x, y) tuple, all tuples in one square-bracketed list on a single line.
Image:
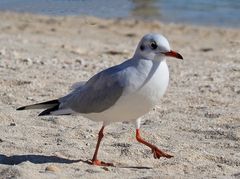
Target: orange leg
[(157, 153), (95, 161)]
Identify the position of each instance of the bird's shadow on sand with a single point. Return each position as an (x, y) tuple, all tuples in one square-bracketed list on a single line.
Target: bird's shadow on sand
[(41, 159), (36, 159)]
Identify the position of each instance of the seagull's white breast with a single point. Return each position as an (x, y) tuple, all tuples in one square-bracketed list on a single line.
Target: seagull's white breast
[(139, 96)]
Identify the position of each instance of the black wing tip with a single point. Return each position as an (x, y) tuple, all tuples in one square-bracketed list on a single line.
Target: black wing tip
[(55, 101), (21, 108), (49, 110), (43, 114)]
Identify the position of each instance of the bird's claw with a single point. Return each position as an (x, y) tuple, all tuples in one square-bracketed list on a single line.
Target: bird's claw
[(157, 153)]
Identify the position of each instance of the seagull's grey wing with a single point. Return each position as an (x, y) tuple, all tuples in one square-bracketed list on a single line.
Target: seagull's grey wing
[(98, 94), (77, 86)]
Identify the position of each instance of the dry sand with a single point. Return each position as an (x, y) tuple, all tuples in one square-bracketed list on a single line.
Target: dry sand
[(198, 120)]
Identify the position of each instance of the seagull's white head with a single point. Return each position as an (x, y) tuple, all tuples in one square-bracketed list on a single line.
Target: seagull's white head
[(155, 47)]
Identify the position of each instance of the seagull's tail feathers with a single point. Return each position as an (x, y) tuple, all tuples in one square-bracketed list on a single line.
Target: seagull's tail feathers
[(51, 108), (48, 105), (43, 105)]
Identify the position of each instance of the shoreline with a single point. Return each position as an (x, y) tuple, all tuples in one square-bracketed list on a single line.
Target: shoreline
[(123, 19)]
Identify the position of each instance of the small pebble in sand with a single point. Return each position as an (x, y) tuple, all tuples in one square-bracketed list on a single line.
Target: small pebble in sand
[(27, 61), (52, 168), (12, 124), (131, 35), (114, 52), (105, 168), (206, 49)]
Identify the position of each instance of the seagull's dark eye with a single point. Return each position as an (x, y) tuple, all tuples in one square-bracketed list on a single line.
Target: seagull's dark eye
[(153, 45)]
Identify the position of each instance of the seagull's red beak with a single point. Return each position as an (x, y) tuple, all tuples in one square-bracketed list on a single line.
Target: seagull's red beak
[(172, 53)]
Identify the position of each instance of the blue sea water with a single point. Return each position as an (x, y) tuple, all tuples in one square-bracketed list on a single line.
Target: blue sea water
[(223, 13)]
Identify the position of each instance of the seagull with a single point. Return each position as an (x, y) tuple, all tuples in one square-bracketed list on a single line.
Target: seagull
[(124, 92)]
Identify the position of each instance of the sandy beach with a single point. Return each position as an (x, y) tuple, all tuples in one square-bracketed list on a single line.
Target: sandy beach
[(198, 119)]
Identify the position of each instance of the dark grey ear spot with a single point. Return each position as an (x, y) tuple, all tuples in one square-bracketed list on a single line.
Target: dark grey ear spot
[(142, 47)]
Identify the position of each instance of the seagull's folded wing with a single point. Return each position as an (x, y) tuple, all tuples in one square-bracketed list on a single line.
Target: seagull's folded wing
[(98, 94)]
